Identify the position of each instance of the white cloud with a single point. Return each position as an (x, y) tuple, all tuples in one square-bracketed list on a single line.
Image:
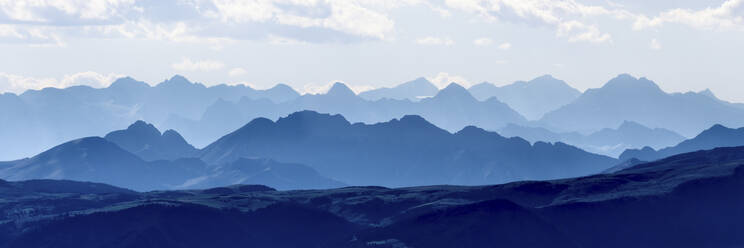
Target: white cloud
[(577, 31), (443, 79), (654, 45), (728, 16), (235, 72), (505, 46), (482, 42), (565, 16), (430, 40), (204, 20), (18, 83), (187, 64), (351, 17), (222, 22), (50, 11)]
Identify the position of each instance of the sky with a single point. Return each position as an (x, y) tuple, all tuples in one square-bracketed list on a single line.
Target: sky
[(682, 45)]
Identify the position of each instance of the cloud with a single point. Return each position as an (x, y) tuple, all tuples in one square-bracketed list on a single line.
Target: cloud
[(206, 20), (482, 42), (443, 79), (565, 16), (654, 45), (218, 23), (430, 40), (19, 83), (728, 16), (577, 31), (505, 46), (64, 11), (187, 64), (235, 72)]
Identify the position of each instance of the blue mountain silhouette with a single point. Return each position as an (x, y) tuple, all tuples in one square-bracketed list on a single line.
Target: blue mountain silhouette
[(533, 98), (401, 152), (412, 90), (642, 101), (715, 136)]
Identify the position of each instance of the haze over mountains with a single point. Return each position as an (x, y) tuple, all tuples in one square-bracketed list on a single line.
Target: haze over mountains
[(412, 90), (533, 98), (140, 158), (254, 144), (452, 108), (308, 150), (608, 141), (716, 136), (402, 152), (626, 98), (37, 120)]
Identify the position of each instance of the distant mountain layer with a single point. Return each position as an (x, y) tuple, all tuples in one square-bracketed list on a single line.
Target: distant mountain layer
[(452, 108), (412, 90), (716, 136), (146, 141), (610, 142), (39, 119), (96, 159), (533, 98), (642, 101), (402, 152), (689, 200)]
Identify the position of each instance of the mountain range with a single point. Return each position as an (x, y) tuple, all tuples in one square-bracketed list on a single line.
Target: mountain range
[(140, 158), (688, 200), (532, 98), (608, 141), (308, 150), (715, 136), (452, 108), (626, 98), (402, 152), (40, 119), (412, 90)]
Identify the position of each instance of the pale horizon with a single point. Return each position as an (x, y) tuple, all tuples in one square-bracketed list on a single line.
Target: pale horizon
[(682, 46)]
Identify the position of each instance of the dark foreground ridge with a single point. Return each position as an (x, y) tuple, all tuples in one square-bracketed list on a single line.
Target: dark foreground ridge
[(688, 200)]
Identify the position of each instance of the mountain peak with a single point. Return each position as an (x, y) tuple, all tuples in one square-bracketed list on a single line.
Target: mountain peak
[(340, 89), (631, 125), (627, 82), (282, 87), (544, 78), (127, 82), (176, 80), (143, 127), (414, 119), (305, 117), (707, 92), (715, 129), (454, 90)]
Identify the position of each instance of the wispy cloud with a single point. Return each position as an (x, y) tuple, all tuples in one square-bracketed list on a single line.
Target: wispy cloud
[(186, 64), (482, 41), (18, 83), (727, 16), (236, 72), (430, 40)]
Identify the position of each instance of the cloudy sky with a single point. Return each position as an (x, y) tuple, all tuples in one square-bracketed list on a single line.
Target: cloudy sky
[(682, 45)]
